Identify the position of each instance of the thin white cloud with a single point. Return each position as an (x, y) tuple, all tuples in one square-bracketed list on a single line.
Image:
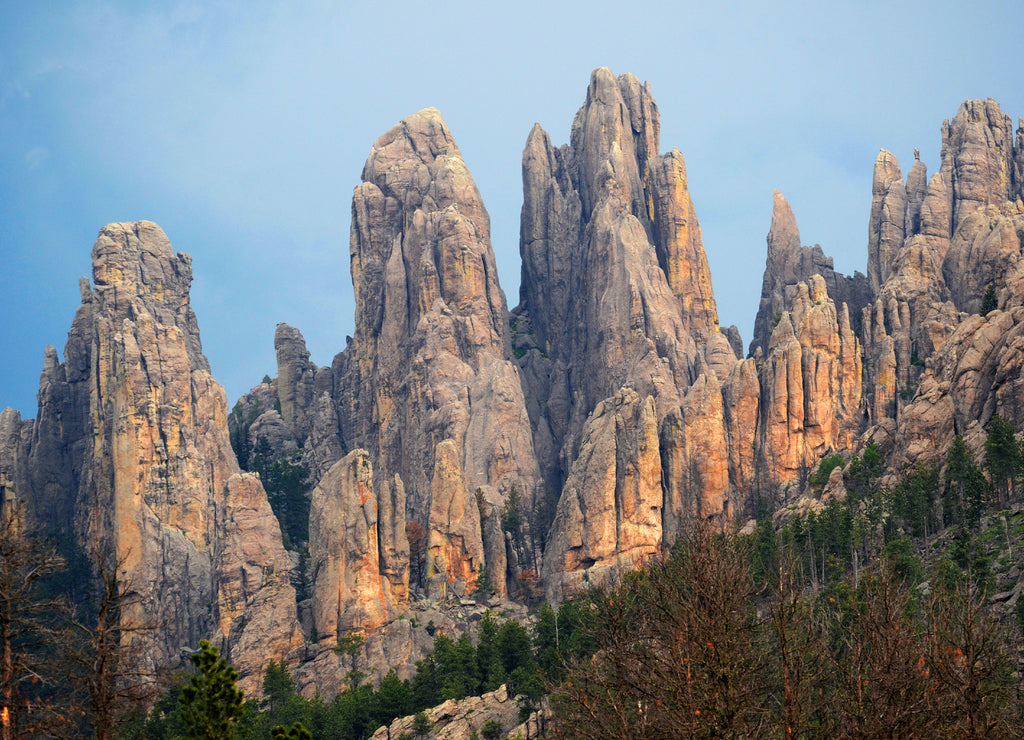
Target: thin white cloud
[(35, 157)]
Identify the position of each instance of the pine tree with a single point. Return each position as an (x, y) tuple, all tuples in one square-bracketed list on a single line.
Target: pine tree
[(278, 686), (512, 517), (393, 699), (295, 732), (488, 656), (483, 589), (989, 302), (211, 705), (421, 724), (1002, 456), (966, 487)]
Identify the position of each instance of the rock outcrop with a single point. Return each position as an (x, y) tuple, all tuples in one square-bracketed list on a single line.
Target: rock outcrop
[(350, 593), (591, 423), (977, 159), (614, 273), (426, 385), (296, 379), (978, 372), (148, 476), (932, 365), (811, 381), (788, 264), (465, 719), (985, 251), (617, 316), (294, 410), (887, 227), (964, 239), (609, 515)]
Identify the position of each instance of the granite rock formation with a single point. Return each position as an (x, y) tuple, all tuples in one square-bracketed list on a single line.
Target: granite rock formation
[(609, 404), (964, 239), (789, 263), (976, 373), (977, 159), (887, 228), (616, 322), (935, 246), (811, 382), (145, 473), (614, 272), (465, 719), (609, 515), (350, 593), (425, 386)]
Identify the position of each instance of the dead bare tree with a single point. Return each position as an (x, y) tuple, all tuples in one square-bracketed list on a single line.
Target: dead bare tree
[(29, 631), (680, 653), (102, 648), (970, 661)]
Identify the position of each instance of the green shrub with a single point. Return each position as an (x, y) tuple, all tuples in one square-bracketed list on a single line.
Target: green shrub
[(820, 476)]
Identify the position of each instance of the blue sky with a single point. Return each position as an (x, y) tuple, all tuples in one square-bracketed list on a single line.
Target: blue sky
[(241, 128)]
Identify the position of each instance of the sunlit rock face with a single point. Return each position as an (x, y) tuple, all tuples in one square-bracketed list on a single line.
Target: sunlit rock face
[(887, 229), (609, 516), (962, 234), (615, 281), (131, 449), (609, 402), (789, 263), (350, 592), (616, 304), (426, 385), (930, 367), (811, 381)]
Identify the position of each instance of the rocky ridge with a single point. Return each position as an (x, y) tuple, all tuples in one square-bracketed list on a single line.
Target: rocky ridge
[(617, 314), (462, 720), (642, 413), (790, 263), (609, 404), (147, 477), (426, 385)]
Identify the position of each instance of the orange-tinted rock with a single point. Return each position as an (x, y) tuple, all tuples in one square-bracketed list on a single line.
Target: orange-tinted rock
[(616, 298), (741, 404), (455, 547), (789, 263), (425, 385), (887, 228), (811, 385), (677, 240), (609, 515), (350, 593), (706, 451), (149, 474)]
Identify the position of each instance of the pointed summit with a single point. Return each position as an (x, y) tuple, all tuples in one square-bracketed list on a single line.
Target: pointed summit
[(788, 264), (617, 304), (887, 227), (420, 233), (426, 372), (147, 472), (976, 159), (783, 234)]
